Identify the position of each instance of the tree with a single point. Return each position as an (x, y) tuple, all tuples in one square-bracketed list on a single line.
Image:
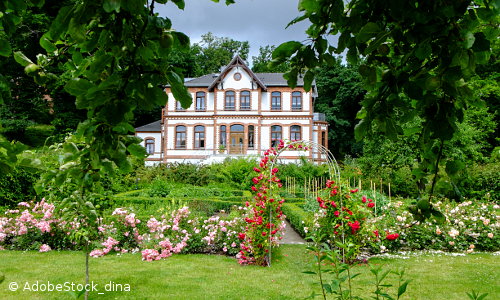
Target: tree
[(115, 54), (339, 95), (260, 63), (425, 50), (214, 52)]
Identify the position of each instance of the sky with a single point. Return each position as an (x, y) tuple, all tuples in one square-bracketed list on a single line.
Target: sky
[(260, 22)]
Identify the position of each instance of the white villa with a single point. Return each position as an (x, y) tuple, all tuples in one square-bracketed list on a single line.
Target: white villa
[(234, 113)]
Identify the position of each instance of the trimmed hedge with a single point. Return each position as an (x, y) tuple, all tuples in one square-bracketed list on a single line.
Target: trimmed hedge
[(208, 206), (295, 215), (37, 134)]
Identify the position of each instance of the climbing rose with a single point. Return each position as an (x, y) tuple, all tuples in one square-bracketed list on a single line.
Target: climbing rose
[(370, 205)]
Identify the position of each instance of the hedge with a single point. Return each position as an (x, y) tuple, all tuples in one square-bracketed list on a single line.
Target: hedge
[(36, 135), (295, 215)]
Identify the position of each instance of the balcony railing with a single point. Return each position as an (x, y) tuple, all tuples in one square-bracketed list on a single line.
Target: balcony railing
[(319, 117)]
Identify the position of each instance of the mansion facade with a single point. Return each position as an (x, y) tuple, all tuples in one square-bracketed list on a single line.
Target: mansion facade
[(236, 112)]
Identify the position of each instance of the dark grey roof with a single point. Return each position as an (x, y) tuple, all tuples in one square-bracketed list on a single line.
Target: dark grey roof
[(205, 80), (276, 79), (155, 126)]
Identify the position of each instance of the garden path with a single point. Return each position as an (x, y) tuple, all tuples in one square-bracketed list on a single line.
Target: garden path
[(291, 236)]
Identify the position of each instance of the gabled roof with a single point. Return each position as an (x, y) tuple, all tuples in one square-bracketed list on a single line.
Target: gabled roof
[(236, 62), (155, 126)]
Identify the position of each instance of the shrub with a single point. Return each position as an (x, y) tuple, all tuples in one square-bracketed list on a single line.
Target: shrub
[(37, 135), (17, 187), (296, 216)]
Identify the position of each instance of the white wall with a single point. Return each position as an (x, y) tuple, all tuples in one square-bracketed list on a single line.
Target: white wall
[(255, 101), (286, 103), (244, 83), (265, 101)]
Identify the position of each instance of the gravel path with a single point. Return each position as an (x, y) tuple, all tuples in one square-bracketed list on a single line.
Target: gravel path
[(291, 236)]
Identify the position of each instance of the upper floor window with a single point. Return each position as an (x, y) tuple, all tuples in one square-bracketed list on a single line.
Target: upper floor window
[(237, 76), (150, 146), (245, 100), (250, 136), (275, 135), (296, 101), (295, 133), (229, 100), (179, 107), (200, 101), (199, 137), (323, 139), (180, 137), (276, 101)]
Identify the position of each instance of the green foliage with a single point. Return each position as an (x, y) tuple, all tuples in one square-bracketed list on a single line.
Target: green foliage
[(214, 52), (36, 136), (481, 181), (495, 154), (260, 63), (340, 91), (419, 60), (296, 216), (18, 186)]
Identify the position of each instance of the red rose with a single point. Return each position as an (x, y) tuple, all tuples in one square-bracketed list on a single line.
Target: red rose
[(264, 233), (337, 213), (370, 205), (241, 236), (256, 170)]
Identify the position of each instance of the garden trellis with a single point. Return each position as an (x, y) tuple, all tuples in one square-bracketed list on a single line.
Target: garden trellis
[(333, 172)]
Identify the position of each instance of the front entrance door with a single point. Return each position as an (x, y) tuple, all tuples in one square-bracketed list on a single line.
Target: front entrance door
[(236, 143)]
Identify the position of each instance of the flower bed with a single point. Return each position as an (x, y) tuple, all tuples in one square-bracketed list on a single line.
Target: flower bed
[(469, 225), (35, 227)]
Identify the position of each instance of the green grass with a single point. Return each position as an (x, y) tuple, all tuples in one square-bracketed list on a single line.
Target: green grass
[(200, 276)]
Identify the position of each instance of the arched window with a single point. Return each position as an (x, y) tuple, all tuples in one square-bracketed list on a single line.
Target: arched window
[(296, 101), (295, 133), (245, 100), (180, 137), (199, 137), (229, 100), (250, 136), (200, 101), (276, 101), (150, 146), (223, 135), (275, 135)]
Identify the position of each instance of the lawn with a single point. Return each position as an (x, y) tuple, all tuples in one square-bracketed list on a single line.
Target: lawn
[(198, 276)]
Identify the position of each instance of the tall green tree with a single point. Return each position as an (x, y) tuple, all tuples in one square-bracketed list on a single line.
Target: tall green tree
[(214, 52), (260, 63), (340, 92), (425, 50)]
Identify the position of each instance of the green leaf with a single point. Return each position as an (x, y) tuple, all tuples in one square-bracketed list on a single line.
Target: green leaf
[(296, 20), (412, 131), (100, 62), (485, 14), (482, 57), (110, 5), (180, 3), (22, 59), (179, 90), (454, 166), (370, 30), (78, 86), (5, 48), (423, 51), (469, 40), (361, 129), (286, 49), (60, 24), (380, 38), (137, 150), (77, 30), (481, 43), (308, 5), (309, 272), (47, 44)]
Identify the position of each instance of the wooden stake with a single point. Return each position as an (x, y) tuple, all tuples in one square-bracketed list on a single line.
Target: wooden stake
[(389, 192), (359, 185)]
